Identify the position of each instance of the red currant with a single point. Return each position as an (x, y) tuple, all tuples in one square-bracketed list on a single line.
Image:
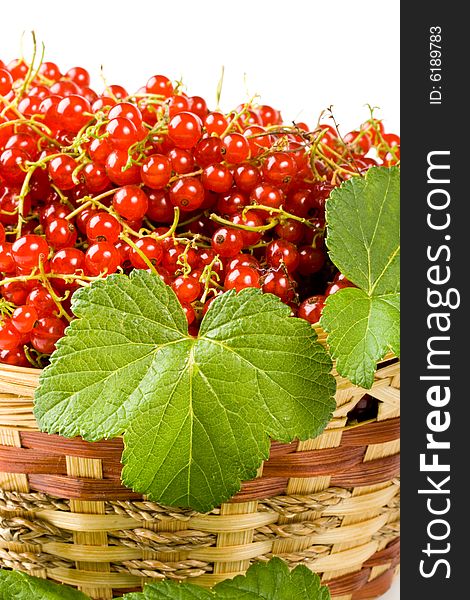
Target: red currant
[(187, 289), (131, 202), (102, 257), (311, 309), (151, 248), (185, 129), (242, 277), (29, 250), (187, 193), (282, 253), (156, 171), (103, 227), (24, 318), (217, 178), (60, 233), (227, 241), (47, 333)]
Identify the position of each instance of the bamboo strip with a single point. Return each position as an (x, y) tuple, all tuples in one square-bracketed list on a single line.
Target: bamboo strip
[(227, 541), (86, 467)]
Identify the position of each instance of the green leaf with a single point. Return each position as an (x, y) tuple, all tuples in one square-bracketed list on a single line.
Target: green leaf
[(15, 585), (363, 217), (362, 330), (270, 581), (196, 413), (263, 581)]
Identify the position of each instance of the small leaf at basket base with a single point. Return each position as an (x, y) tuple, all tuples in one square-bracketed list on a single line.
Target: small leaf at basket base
[(15, 585), (196, 413), (263, 581)]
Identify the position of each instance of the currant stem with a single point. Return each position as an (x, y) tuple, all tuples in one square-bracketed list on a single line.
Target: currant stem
[(228, 223)]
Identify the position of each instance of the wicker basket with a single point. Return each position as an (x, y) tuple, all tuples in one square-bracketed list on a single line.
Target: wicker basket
[(330, 503)]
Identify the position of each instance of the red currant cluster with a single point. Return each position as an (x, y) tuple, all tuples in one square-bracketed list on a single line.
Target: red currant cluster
[(93, 184)]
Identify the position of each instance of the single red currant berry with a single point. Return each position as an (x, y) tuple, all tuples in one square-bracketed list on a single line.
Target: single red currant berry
[(290, 230), (96, 178), (242, 260), (311, 309), (217, 178), (279, 284), (102, 257), (185, 130), (103, 103), (187, 193), (246, 177), (339, 284), (215, 123), (156, 171), (311, 260), (131, 202), (60, 233), (187, 289), (269, 116), (119, 172), (177, 104), (128, 111), (208, 151), (189, 312), (41, 300), (103, 227), (122, 133), (99, 150), (68, 261), (151, 248), (15, 357), (29, 250), (198, 106), (159, 85), (71, 110), (9, 336), (172, 257), (227, 241), (78, 75), (24, 318), (242, 277), (235, 148), (232, 203), (267, 195), (182, 161), (359, 140), (60, 171), (50, 71), (282, 253), (160, 209), (47, 333), (258, 139), (29, 106), (12, 162)]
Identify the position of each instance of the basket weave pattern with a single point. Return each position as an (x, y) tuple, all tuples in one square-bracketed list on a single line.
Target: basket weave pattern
[(330, 503)]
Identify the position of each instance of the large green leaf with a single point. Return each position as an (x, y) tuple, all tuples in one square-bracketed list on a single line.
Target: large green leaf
[(363, 217), (196, 413), (15, 585)]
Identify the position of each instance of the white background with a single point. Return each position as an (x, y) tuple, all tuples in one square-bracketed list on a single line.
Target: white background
[(301, 56)]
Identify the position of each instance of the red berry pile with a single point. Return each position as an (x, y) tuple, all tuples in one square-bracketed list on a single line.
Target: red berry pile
[(92, 184)]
